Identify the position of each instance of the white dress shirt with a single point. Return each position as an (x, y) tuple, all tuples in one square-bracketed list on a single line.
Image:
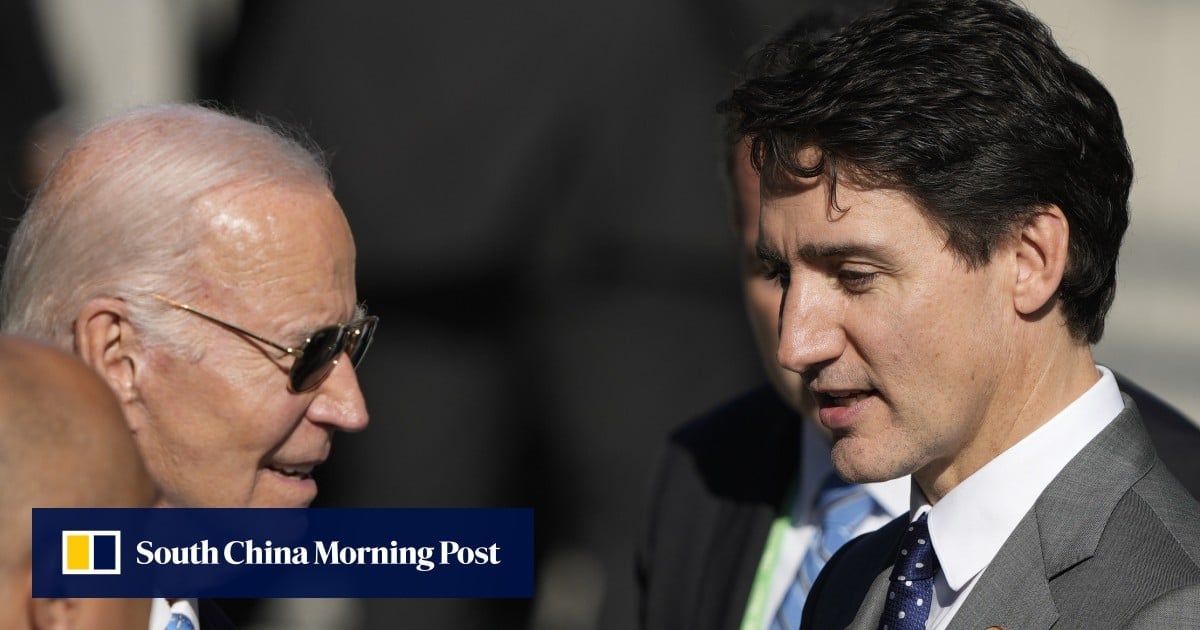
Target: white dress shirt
[(161, 611), (891, 498), (970, 524)]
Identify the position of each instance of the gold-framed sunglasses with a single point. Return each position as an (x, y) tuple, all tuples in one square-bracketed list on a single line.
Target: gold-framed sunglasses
[(317, 356)]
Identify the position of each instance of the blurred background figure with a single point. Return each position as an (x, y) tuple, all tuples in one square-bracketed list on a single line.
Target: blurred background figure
[(30, 93), (54, 409), (540, 219), (534, 198)]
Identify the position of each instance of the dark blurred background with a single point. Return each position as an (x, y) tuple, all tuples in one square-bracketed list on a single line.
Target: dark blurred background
[(533, 191), (535, 194)]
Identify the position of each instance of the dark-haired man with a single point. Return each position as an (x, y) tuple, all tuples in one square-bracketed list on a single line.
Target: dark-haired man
[(944, 196), (736, 529)]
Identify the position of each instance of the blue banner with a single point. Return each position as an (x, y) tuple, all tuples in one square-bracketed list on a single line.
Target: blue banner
[(312, 552)]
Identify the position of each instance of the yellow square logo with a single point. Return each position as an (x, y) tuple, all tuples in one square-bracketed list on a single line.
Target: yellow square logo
[(91, 552)]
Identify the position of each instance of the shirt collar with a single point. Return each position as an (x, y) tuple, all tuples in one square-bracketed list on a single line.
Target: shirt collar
[(891, 495), (161, 611), (970, 524)]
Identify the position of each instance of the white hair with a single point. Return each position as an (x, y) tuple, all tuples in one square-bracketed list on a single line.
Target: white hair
[(120, 216)]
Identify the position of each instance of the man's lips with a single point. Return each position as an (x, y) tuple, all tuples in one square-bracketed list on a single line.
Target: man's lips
[(295, 471), (843, 399), (839, 408)]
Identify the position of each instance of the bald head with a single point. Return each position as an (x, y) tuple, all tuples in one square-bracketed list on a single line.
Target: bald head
[(121, 212), (63, 443), (176, 205)]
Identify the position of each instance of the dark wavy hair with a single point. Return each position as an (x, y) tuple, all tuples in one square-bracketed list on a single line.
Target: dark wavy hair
[(971, 109), (810, 24)]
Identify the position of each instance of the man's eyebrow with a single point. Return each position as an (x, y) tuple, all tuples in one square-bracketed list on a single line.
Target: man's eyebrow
[(766, 253), (816, 251), (301, 329)]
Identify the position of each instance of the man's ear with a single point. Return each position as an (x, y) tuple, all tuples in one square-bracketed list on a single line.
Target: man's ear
[(1041, 256), (52, 613), (107, 342)]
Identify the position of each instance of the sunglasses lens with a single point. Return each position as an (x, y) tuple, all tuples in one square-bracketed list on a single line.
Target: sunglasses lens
[(360, 339), (317, 361)]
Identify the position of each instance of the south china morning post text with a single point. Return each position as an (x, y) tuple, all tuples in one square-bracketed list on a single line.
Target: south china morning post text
[(239, 552), (289, 552)]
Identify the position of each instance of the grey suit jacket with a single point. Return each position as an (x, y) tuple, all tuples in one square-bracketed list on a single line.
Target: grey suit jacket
[(1113, 542)]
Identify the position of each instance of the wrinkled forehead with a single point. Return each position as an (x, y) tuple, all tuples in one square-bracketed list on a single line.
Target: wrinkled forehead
[(286, 238)]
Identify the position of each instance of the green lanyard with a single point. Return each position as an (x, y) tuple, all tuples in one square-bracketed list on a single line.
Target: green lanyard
[(756, 606)]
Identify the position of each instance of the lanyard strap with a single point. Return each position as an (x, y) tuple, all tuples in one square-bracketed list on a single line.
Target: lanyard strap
[(756, 607)]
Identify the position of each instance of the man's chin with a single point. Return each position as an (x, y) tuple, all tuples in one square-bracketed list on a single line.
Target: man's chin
[(856, 462)]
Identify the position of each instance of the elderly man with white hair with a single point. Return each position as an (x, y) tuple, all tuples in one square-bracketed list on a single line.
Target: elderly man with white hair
[(201, 265)]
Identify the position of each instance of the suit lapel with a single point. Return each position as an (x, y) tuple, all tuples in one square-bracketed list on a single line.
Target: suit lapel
[(1075, 508), (1013, 591), (872, 609), (1060, 532)]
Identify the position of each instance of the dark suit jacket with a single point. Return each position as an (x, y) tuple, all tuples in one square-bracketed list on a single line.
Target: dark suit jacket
[(1113, 536), (723, 477), (720, 483), (212, 617)]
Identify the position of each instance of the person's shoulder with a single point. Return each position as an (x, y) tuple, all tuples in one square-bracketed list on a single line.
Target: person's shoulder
[(1153, 531), (1158, 506), (719, 482), (1178, 608), (747, 418), (212, 617), (1175, 437), (746, 446), (1155, 411)]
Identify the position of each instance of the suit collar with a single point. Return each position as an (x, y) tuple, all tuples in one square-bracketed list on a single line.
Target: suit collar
[(971, 523), (1072, 512), (1013, 591), (1061, 531)]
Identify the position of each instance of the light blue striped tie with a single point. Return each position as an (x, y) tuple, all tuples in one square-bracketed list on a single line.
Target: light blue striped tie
[(839, 509), (180, 622)]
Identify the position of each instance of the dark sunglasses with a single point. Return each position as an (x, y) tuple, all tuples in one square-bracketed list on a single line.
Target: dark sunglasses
[(318, 355)]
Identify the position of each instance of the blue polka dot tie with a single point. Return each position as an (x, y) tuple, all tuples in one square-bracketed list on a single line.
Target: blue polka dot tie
[(180, 622), (840, 509), (910, 587)]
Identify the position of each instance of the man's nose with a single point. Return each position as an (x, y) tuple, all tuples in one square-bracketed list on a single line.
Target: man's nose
[(339, 402), (810, 325)]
